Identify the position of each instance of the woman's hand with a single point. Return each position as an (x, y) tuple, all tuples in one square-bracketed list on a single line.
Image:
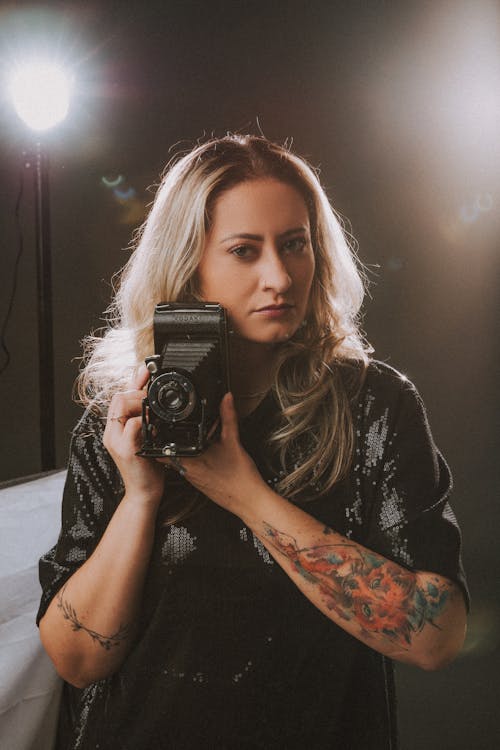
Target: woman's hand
[(142, 477), (224, 472)]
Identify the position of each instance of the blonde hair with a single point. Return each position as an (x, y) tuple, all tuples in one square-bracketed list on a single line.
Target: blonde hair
[(314, 438)]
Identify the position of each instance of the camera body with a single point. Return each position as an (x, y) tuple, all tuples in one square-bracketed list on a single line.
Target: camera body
[(189, 375)]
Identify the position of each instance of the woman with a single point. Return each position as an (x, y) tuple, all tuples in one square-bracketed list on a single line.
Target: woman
[(254, 596)]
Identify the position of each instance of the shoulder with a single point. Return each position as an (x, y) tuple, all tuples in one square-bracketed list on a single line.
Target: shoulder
[(378, 378), (385, 390), (385, 378), (386, 382), (87, 435), (90, 466), (90, 424)]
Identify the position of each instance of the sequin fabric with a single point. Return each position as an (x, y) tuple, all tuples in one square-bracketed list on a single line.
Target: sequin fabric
[(378, 461), (92, 491), (249, 536), (178, 545), (229, 653)]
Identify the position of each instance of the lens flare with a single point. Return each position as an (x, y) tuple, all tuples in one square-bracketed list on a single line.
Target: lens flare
[(113, 183)]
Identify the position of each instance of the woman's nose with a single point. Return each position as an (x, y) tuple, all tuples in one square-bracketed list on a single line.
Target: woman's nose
[(275, 274)]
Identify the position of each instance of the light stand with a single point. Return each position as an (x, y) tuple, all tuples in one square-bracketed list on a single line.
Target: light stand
[(44, 305), (40, 92)]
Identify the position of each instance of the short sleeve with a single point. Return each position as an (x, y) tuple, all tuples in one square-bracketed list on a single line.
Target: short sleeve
[(92, 491), (410, 520)]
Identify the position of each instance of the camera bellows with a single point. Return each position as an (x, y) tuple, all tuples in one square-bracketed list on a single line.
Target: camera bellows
[(187, 355)]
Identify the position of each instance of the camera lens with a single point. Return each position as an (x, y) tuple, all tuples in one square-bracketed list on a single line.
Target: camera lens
[(172, 397)]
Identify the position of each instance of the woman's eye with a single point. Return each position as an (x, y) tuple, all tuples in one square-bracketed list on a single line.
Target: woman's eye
[(242, 251), (295, 245)]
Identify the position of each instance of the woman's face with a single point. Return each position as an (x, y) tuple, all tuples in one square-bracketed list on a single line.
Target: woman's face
[(258, 260)]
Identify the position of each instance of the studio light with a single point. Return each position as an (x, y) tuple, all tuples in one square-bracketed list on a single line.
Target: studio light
[(40, 92)]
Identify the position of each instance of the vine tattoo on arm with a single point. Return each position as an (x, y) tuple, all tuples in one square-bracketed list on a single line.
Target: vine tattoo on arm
[(383, 597), (106, 641)]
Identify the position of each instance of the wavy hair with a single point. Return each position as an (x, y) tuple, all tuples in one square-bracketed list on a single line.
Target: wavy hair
[(323, 364)]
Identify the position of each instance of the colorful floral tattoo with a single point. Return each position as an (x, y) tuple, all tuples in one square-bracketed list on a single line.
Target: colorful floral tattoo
[(383, 597), (106, 641)]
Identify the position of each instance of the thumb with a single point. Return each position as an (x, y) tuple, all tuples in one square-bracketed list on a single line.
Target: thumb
[(229, 419)]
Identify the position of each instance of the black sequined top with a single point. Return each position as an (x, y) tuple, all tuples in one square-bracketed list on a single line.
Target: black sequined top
[(230, 655)]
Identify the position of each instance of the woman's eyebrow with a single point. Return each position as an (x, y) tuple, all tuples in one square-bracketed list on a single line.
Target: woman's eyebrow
[(260, 237), (243, 236)]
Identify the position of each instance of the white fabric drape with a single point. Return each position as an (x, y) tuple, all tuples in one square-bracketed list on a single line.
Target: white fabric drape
[(29, 686)]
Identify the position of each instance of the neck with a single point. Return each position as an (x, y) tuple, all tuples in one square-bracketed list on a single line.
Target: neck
[(253, 367)]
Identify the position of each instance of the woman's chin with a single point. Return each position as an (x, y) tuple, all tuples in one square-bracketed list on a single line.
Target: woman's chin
[(267, 340)]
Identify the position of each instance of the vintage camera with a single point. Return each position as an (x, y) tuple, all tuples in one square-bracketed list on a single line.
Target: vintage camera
[(189, 375)]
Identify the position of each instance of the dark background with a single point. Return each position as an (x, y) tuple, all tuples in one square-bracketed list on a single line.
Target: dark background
[(398, 103)]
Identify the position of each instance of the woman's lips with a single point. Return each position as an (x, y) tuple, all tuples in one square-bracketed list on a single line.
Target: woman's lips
[(274, 311)]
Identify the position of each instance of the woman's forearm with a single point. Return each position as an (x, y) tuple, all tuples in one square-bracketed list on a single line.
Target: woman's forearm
[(89, 626), (416, 617), (413, 616)]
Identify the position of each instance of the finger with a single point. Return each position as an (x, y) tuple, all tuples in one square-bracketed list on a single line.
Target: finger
[(229, 418), (125, 405), (132, 430), (141, 378), (128, 403), (120, 427)]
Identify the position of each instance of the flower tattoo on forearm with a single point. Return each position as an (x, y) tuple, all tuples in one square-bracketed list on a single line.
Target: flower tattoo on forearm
[(383, 597), (106, 641)]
